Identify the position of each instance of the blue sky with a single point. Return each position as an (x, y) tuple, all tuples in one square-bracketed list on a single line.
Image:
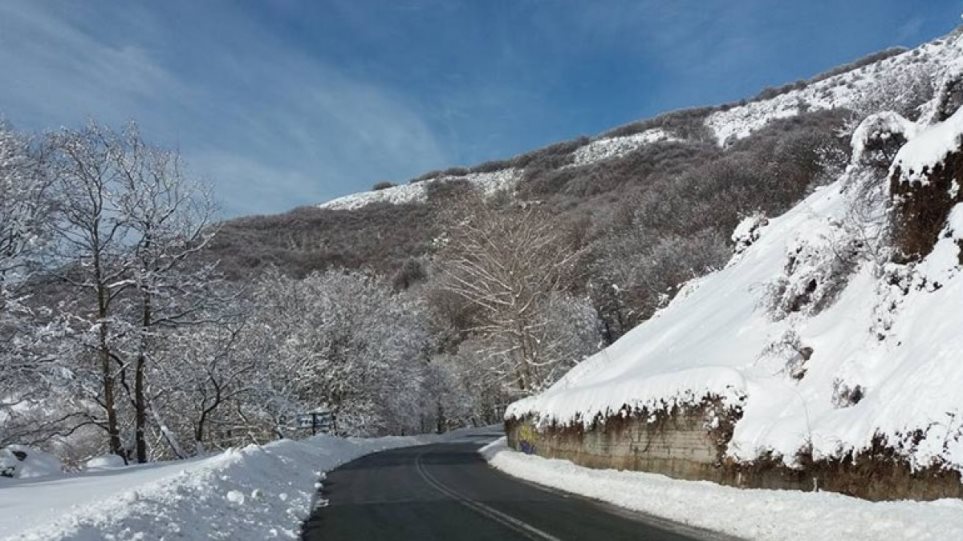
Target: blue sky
[(283, 103)]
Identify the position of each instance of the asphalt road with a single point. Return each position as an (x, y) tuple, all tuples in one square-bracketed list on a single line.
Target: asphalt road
[(447, 491)]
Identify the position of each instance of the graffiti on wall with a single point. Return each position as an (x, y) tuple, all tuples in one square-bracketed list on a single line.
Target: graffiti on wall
[(526, 439)]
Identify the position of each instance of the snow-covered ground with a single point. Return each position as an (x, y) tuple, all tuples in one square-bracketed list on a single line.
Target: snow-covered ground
[(254, 493), (839, 91), (488, 183), (808, 330), (612, 147), (779, 515)]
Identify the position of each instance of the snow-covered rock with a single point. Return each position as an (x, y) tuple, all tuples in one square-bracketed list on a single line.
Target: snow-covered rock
[(929, 149)]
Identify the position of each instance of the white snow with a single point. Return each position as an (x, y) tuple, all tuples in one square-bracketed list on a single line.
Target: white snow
[(488, 183), (839, 91), (893, 330), (104, 462), (22, 462), (778, 515), (253, 493), (612, 147), (929, 148)]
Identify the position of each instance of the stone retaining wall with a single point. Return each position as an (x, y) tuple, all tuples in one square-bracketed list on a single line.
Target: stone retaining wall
[(690, 444)]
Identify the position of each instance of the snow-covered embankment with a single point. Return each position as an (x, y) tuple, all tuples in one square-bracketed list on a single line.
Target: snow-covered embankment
[(252, 493)]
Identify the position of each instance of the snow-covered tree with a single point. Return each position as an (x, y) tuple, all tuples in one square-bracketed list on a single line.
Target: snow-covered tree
[(342, 341), (128, 223), (25, 205), (512, 266)]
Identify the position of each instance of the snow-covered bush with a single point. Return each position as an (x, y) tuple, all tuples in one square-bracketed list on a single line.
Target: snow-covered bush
[(748, 231), (948, 95), (818, 267), (788, 354), (20, 462), (879, 137)]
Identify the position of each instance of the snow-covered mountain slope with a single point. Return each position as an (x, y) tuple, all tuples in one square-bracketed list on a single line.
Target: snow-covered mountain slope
[(813, 330), (864, 87), (613, 147), (866, 83), (417, 192)]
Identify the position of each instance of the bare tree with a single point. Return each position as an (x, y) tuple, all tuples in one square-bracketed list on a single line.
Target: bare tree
[(129, 224), (170, 219), (509, 262), (91, 238)]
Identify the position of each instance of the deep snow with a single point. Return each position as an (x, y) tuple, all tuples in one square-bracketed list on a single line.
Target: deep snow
[(778, 515), (253, 493), (890, 331)]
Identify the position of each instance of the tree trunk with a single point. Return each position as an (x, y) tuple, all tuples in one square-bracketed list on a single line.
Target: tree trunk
[(110, 407), (140, 401)]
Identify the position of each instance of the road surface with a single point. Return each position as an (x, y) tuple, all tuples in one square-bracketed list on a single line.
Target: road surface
[(447, 491)]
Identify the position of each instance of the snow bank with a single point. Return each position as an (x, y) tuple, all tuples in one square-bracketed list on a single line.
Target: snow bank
[(253, 493), (809, 281), (779, 515)]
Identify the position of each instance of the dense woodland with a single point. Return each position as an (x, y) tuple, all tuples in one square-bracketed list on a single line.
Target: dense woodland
[(134, 322)]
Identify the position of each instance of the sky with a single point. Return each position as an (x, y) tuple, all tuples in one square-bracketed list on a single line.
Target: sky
[(283, 103)]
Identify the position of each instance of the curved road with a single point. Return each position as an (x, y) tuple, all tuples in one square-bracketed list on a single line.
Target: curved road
[(448, 491)]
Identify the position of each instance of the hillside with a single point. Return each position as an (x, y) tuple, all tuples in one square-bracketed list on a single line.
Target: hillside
[(831, 337), (690, 174)]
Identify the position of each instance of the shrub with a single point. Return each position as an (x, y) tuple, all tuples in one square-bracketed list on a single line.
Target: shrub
[(383, 185)]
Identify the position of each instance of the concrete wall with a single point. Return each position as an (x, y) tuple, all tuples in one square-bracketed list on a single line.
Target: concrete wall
[(687, 444)]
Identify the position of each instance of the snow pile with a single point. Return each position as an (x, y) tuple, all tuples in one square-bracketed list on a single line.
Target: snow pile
[(613, 147), (779, 515), (809, 331), (22, 462), (489, 183), (253, 493), (839, 91), (105, 462)]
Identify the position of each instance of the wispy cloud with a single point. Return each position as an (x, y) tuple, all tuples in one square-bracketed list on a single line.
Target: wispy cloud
[(272, 127)]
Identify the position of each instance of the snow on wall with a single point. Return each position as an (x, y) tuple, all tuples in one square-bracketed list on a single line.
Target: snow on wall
[(773, 515), (891, 331)]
